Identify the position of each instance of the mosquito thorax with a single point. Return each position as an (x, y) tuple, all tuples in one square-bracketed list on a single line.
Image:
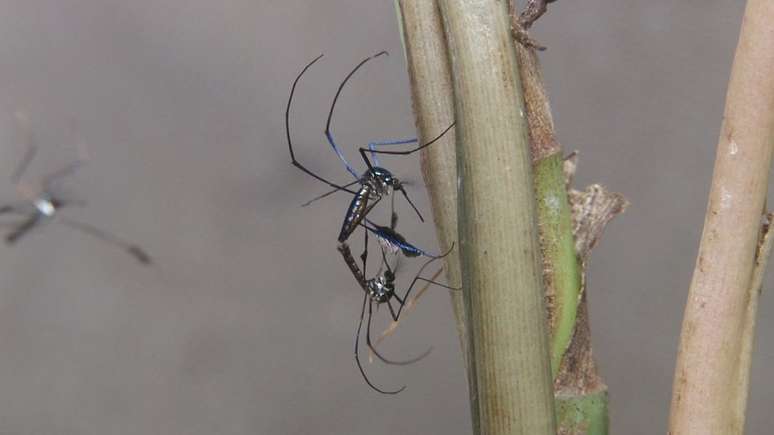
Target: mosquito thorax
[(46, 205), (379, 289), (381, 180)]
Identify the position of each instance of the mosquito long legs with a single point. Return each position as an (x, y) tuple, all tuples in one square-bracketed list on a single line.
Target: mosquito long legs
[(39, 204), (375, 182)]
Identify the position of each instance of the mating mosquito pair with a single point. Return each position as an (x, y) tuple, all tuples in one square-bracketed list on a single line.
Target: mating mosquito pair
[(39, 204), (372, 186), (381, 288)]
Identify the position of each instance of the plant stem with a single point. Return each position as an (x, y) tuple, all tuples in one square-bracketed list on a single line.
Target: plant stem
[(720, 312), (581, 394), (586, 414), (748, 331), (499, 252), (561, 269), (432, 94)]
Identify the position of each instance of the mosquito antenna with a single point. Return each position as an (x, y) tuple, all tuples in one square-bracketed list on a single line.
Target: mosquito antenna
[(328, 193), (357, 355), (328, 133), (287, 133), (135, 251)]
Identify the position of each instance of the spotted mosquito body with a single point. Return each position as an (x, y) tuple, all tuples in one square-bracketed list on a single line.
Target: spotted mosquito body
[(375, 183), (377, 291), (39, 205)]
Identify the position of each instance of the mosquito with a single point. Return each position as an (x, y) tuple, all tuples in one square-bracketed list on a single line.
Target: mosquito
[(376, 182), (39, 205), (381, 290)]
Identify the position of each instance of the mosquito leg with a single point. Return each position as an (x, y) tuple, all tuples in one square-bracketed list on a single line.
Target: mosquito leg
[(22, 124), (23, 228), (328, 193), (363, 151), (11, 209), (430, 281), (411, 203), (417, 277), (70, 169), (295, 162), (328, 133), (372, 146), (135, 251), (357, 353), (364, 255), (378, 355), (24, 163), (393, 215), (393, 314)]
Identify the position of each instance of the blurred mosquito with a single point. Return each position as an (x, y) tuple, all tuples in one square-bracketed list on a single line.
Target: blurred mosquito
[(381, 290), (39, 205), (375, 182)]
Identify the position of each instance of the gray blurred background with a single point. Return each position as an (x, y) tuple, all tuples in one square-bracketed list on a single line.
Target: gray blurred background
[(245, 324)]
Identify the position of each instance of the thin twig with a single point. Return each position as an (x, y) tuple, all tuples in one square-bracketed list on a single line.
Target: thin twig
[(707, 396)]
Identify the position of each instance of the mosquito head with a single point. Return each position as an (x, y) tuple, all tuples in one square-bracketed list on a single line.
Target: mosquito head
[(389, 278)]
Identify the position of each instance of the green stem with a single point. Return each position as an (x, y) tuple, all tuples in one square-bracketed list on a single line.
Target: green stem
[(561, 269), (580, 393), (585, 414), (561, 266)]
